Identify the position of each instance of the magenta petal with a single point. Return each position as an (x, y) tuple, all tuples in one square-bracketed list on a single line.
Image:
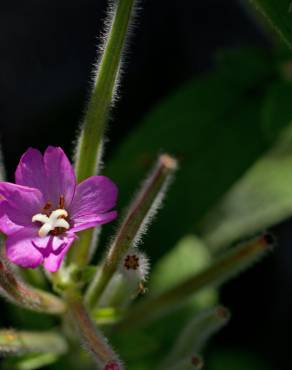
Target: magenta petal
[(7, 227), (94, 197), (60, 248), (31, 171), (52, 174), (19, 249), (103, 218), (19, 203), (60, 176)]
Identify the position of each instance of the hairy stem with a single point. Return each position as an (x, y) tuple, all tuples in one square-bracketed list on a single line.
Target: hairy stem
[(138, 216), (26, 296), (92, 339), (194, 337), (90, 141)]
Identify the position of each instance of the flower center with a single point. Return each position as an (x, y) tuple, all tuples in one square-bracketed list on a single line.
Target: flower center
[(131, 262), (54, 223)]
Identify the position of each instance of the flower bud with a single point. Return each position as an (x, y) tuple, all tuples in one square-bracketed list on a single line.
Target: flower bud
[(134, 266)]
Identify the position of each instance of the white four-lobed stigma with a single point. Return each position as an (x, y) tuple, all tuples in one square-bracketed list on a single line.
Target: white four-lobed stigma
[(50, 223)]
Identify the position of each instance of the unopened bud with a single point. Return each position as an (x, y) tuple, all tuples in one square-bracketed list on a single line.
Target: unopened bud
[(135, 265)]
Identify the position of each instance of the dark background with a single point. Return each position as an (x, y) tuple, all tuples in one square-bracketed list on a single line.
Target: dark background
[(47, 49)]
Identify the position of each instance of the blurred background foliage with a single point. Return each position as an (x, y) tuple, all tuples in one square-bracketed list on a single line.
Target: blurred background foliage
[(209, 82)]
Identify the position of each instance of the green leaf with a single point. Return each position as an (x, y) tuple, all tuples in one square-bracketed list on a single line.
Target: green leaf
[(277, 108), (279, 15), (192, 256), (260, 199), (205, 124)]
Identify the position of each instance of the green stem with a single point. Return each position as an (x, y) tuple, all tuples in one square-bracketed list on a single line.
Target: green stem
[(93, 340), (90, 142), (137, 218), (195, 336), (230, 264), (26, 296), (193, 362)]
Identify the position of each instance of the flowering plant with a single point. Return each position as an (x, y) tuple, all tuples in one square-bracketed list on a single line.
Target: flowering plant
[(51, 216)]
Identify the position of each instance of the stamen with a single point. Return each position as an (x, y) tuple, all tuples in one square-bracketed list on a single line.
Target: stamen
[(54, 221), (62, 202), (59, 213), (47, 207), (40, 218), (45, 229)]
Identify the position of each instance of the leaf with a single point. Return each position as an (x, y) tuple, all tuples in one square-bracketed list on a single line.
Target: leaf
[(192, 256), (205, 124), (279, 15), (260, 199), (277, 108)]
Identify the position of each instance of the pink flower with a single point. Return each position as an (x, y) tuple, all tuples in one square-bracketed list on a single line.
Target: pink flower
[(41, 213)]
